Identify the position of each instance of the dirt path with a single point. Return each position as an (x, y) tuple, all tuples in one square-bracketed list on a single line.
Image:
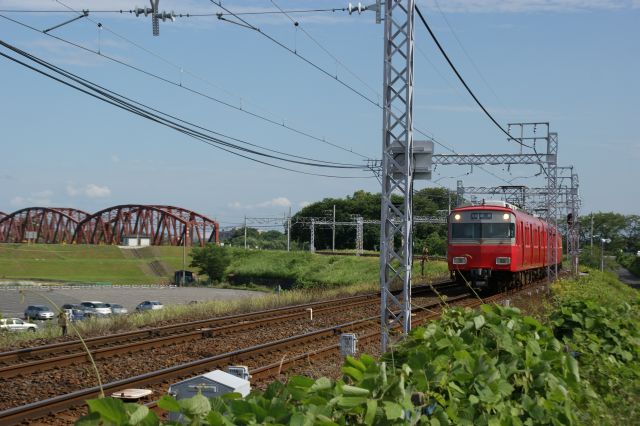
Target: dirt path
[(628, 278)]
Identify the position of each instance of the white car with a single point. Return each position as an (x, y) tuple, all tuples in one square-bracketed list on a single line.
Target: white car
[(16, 324), (95, 308), (149, 305)]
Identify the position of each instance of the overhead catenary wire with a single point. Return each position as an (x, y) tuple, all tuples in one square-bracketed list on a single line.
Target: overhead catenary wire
[(464, 83), (473, 63), (115, 99), (324, 49), (195, 76), (185, 14), (194, 91), (255, 28), (252, 27), (246, 24)]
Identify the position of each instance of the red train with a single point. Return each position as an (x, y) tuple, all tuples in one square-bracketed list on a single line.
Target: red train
[(498, 245)]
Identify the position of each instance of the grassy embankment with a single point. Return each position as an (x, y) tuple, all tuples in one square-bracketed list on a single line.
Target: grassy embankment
[(598, 318), (109, 264)]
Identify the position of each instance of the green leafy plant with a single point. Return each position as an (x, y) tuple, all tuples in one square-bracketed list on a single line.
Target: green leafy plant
[(491, 367), (597, 320), (494, 367)]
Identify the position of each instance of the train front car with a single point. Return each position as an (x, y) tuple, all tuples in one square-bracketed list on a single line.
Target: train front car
[(482, 244)]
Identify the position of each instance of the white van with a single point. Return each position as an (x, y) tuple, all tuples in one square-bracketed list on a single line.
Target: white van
[(93, 307)]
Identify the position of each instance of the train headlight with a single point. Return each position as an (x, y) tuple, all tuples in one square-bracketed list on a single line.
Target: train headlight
[(503, 261), (457, 216), (459, 260), (506, 216)]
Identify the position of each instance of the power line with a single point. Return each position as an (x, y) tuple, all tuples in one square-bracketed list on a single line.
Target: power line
[(188, 89), (430, 136), (464, 83), (455, 35), (246, 24), (197, 77), (184, 14), (120, 101), (324, 49), (243, 23)]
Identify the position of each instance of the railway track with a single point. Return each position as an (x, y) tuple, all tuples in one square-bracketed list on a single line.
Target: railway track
[(264, 360), (59, 355)]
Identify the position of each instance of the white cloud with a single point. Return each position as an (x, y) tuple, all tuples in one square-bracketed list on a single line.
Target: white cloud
[(72, 191), (304, 204), (95, 191), (274, 202), (91, 191), (35, 199)]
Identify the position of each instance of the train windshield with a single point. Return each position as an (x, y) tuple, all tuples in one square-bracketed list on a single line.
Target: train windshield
[(482, 230)]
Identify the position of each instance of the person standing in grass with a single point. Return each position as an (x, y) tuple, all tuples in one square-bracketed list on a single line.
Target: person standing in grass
[(423, 259), (62, 322)]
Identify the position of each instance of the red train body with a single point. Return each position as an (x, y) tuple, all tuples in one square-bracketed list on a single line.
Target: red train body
[(498, 244)]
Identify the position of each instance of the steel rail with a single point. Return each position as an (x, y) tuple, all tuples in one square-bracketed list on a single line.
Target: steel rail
[(47, 350), (52, 405), (72, 359), (10, 357)]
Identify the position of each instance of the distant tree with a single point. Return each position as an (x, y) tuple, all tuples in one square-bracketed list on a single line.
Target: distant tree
[(211, 260), (269, 240), (426, 202)]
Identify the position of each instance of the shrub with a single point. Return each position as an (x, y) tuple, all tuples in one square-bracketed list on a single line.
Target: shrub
[(211, 260)]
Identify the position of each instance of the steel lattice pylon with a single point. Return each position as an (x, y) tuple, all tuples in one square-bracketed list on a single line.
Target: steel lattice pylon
[(312, 243), (397, 169), (359, 236), (552, 204)]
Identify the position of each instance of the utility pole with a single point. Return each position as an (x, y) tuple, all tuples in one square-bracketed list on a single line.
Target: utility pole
[(397, 168), (312, 244), (591, 232), (185, 236), (289, 231), (245, 232), (333, 235)]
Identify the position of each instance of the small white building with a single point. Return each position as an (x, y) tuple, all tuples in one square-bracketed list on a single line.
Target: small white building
[(136, 241), (214, 383)]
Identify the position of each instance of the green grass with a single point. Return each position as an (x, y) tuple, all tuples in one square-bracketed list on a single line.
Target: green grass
[(89, 263), (79, 263), (306, 270)]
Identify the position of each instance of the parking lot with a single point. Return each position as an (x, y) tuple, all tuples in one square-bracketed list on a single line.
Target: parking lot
[(10, 304)]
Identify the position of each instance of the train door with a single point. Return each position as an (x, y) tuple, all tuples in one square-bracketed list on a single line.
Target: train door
[(537, 245), (521, 244)]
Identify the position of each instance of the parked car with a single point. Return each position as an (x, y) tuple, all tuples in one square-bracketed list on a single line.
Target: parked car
[(16, 324), (75, 313), (149, 305), (117, 309), (39, 312), (95, 308)]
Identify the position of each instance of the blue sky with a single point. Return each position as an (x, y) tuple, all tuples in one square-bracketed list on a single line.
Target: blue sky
[(572, 63)]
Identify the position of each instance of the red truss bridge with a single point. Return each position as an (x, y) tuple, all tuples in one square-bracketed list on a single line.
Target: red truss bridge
[(163, 225), (40, 224)]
